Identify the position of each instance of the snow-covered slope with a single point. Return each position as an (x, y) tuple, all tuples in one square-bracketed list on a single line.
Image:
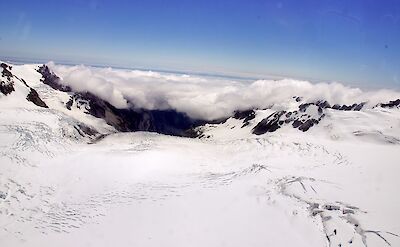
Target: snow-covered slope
[(306, 174)]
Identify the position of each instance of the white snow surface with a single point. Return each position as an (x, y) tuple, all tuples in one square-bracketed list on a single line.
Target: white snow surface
[(334, 185)]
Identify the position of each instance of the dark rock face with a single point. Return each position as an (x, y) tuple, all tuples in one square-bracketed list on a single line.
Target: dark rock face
[(245, 115), (359, 106), (4, 66), (269, 124), (298, 99), (68, 105), (248, 114), (323, 104), (390, 104), (161, 121), (307, 124), (86, 130), (33, 97), (51, 79), (353, 107), (7, 86), (300, 119), (6, 71)]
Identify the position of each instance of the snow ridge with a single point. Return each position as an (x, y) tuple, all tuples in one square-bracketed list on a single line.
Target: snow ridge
[(77, 170)]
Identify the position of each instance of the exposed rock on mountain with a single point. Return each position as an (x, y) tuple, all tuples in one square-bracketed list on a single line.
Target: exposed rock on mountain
[(297, 98), (6, 86), (390, 104), (353, 107), (307, 116), (245, 115), (33, 97), (51, 79), (172, 122), (323, 104), (269, 124), (6, 71), (166, 122), (84, 130)]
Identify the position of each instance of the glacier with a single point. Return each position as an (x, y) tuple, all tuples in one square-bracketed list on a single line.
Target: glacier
[(255, 177)]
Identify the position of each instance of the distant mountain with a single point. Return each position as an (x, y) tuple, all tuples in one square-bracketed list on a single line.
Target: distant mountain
[(303, 116)]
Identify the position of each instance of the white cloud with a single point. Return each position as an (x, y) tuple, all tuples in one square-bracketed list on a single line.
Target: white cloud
[(205, 97)]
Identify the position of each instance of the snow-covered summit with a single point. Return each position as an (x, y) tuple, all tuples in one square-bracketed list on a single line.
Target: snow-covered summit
[(293, 112)]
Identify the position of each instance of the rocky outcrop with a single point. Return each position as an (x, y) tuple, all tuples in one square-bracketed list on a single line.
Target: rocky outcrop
[(297, 98), (353, 107), (168, 122), (390, 104), (6, 71), (85, 130), (6, 82), (51, 79), (305, 125), (6, 87), (323, 104), (33, 97), (306, 117), (246, 116), (269, 124)]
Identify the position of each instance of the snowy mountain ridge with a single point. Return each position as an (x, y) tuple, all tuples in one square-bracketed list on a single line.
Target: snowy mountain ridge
[(304, 115), (75, 170)]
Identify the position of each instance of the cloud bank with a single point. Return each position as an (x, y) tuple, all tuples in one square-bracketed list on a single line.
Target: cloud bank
[(205, 97)]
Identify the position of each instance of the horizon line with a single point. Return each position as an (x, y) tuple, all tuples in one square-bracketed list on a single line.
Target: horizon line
[(233, 76)]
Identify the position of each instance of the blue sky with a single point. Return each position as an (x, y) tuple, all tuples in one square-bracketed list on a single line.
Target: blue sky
[(355, 41)]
